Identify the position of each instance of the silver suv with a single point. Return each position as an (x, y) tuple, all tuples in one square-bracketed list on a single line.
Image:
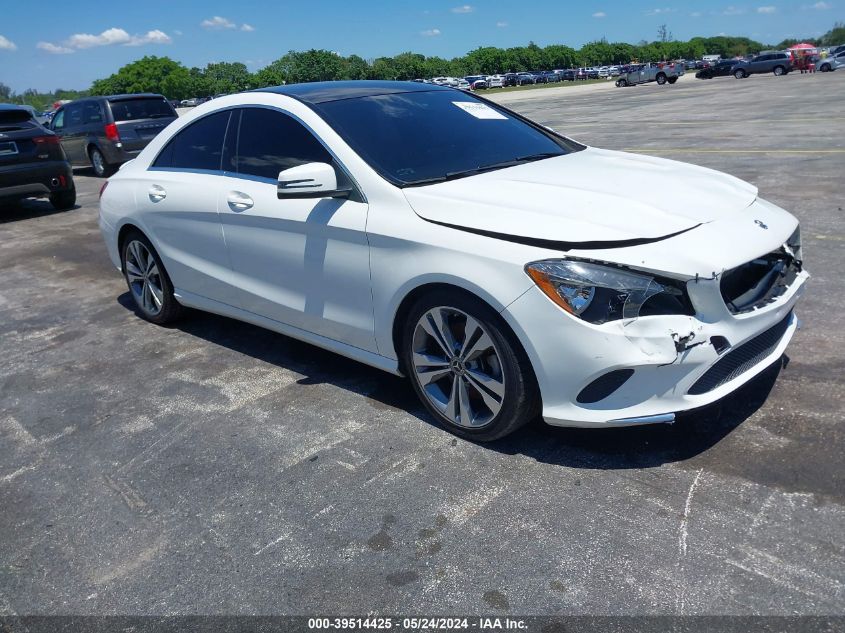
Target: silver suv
[(777, 63)]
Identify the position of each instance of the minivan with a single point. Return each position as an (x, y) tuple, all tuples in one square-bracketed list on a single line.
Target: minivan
[(105, 132)]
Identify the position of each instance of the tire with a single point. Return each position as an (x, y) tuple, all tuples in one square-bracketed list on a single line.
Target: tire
[(740, 74), (158, 305), (672, 80), (101, 168), (825, 68), (481, 392), (661, 79), (63, 200), (779, 71)]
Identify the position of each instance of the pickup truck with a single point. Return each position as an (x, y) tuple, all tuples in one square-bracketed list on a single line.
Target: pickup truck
[(662, 73)]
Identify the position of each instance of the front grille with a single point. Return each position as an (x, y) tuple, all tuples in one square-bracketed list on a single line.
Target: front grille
[(741, 359)]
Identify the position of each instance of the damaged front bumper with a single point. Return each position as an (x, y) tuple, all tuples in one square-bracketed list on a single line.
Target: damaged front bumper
[(645, 370)]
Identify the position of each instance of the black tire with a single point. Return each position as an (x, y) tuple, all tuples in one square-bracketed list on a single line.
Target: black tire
[(825, 68), (672, 80), (521, 402), (102, 169), (779, 71), (739, 73), (661, 79), (63, 200), (170, 310)]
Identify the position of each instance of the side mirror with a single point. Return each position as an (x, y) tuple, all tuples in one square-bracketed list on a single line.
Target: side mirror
[(311, 180)]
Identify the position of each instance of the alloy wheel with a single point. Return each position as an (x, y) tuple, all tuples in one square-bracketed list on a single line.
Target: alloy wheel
[(458, 367), (144, 277), (98, 162)]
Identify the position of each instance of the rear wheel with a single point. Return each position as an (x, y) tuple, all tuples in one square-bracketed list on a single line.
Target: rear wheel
[(672, 80), (467, 367), (101, 168), (63, 200), (779, 70), (739, 74), (148, 281)]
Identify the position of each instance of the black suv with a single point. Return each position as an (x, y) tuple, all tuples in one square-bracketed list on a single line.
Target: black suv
[(32, 162), (105, 132)]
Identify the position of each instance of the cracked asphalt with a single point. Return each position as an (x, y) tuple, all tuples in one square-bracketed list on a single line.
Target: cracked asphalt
[(214, 467)]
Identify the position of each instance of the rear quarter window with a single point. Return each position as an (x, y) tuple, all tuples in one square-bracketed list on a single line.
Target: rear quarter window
[(198, 146)]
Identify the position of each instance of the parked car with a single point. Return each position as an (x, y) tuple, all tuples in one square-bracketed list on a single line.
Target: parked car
[(105, 132), (722, 68), (463, 84), (567, 75), (380, 220), (551, 76), (476, 82), (511, 79), (614, 71), (604, 72), (539, 77), (526, 79), (32, 161), (189, 103), (777, 63), (495, 81), (662, 73), (446, 81), (832, 62)]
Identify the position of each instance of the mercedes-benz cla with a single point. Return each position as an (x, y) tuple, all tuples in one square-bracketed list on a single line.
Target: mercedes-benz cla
[(431, 233)]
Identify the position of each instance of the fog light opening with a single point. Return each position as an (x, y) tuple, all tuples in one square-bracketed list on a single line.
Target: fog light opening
[(604, 385)]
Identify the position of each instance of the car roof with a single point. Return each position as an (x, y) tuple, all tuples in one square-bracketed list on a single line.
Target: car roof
[(326, 91), (12, 106)]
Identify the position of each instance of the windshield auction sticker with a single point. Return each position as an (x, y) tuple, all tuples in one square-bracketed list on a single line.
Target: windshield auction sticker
[(479, 110)]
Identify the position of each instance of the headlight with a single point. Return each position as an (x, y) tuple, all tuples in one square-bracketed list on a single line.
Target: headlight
[(598, 293)]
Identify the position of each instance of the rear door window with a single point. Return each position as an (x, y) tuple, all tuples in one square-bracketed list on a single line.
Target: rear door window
[(198, 146), (91, 113), (73, 115), (270, 142)]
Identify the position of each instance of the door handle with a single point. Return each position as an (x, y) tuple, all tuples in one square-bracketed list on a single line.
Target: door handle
[(157, 194), (239, 201)]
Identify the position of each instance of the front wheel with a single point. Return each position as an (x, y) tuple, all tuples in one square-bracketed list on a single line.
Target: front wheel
[(825, 68), (739, 74), (467, 367), (661, 79), (148, 281)]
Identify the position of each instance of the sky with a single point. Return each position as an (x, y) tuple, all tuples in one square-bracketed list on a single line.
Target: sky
[(68, 45)]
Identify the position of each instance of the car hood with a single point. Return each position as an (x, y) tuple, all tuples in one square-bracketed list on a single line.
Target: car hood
[(593, 196)]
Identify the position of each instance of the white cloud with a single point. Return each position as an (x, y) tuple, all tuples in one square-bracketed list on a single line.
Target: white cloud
[(767, 9), (54, 48), (599, 14), (696, 14), (821, 6), (465, 8), (247, 28), (177, 32), (732, 10), (660, 11), (7, 44), (109, 37), (502, 24), (217, 23), (430, 32)]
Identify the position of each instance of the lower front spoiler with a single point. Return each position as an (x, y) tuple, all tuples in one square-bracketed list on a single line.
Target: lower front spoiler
[(663, 410)]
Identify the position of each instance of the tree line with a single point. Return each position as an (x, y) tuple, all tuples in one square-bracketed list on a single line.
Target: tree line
[(172, 79)]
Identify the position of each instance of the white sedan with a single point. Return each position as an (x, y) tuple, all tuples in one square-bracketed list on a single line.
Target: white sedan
[(430, 233)]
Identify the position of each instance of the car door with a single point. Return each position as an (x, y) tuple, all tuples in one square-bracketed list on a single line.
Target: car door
[(303, 262), (68, 125), (177, 201)]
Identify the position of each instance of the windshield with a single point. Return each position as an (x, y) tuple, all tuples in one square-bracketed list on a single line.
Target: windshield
[(416, 138), (143, 108)]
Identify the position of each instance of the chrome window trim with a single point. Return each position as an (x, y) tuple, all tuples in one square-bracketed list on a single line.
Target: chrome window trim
[(230, 174)]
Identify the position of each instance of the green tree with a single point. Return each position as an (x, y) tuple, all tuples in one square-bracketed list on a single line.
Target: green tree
[(227, 77), (834, 36), (148, 74)]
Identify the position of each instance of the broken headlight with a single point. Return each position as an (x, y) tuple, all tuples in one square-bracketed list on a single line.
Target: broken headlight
[(599, 293)]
